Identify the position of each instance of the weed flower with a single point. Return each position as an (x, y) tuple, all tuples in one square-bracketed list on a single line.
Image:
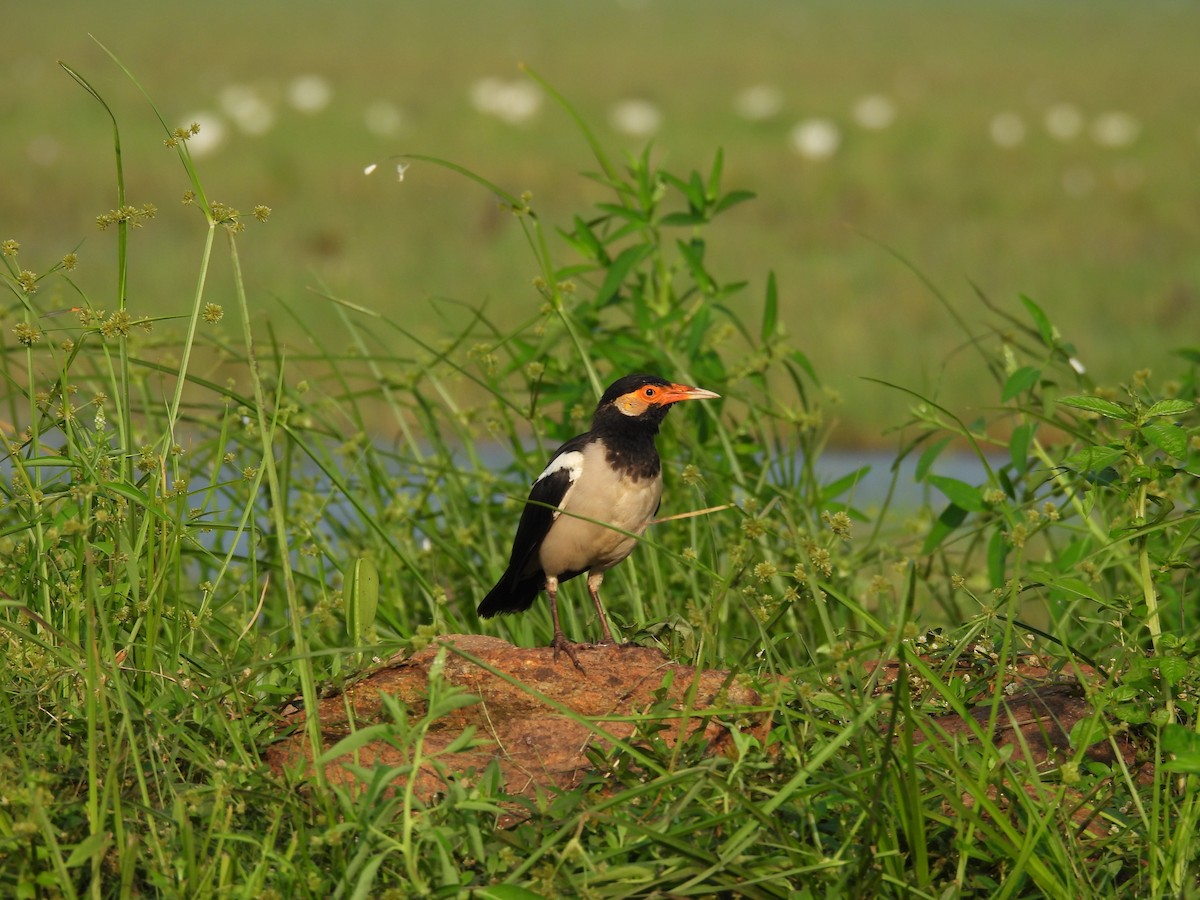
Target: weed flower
[(27, 335), (262, 213), (213, 313), (70, 261), (9, 247), (28, 281)]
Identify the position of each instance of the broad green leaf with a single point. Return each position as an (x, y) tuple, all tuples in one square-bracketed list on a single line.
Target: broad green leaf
[(733, 198), (1173, 670), (90, 847), (843, 484), (928, 457), (1170, 439), (1170, 408), (362, 598), (770, 320), (1184, 763), (952, 516), (505, 892), (1178, 738), (1093, 459), (1019, 382), (1088, 731), (1045, 329), (1097, 405), (997, 554), (714, 175), (620, 268), (958, 492), (1018, 446), (693, 255)]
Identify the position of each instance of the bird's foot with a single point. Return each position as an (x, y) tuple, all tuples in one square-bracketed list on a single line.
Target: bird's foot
[(560, 643)]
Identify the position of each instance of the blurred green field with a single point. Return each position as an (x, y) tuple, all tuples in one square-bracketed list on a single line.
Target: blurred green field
[(1102, 235)]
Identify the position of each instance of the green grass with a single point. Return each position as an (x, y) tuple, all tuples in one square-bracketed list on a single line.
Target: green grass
[(185, 496), (1116, 268)]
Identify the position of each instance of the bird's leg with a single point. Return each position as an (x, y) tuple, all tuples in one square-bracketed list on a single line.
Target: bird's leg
[(559, 642), (593, 583)]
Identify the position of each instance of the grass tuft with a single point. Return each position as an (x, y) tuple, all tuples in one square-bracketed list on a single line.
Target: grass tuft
[(199, 521)]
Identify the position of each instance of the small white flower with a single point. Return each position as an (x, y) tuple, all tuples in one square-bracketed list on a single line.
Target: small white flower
[(309, 93), (635, 117), (249, 111), (759, 103), (210, 137), (401, 168), (1007, 129), (816, 139), (1115, 129), (875, 112), (1063, 121), (383, 119)]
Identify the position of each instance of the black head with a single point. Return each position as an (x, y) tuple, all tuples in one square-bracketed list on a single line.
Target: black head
[(644, 399)]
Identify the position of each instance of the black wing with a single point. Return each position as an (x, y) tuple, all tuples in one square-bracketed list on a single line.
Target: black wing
[(519, 585), (539, 512)]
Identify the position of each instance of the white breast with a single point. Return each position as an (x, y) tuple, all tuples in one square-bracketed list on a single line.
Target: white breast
[(621, 508)]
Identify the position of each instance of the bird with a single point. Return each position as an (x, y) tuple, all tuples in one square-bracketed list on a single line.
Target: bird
[(593, 500)]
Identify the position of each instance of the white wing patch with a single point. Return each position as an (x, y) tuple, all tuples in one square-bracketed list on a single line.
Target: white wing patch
[(573, 463)]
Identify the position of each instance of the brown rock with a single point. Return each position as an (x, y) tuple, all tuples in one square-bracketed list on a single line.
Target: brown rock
[(528, 715)]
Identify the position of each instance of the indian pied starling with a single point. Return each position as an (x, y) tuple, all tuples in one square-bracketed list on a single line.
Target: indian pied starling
[(590, 504)]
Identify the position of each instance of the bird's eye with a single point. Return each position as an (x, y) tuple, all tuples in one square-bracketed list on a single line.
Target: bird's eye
[(648, 392)]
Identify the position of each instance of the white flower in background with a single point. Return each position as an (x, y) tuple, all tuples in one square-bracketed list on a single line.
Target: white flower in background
[(759, 103), (816, 139), (1063, 121), (1115, 129), (210, 136), (249, 111), (1007, 129), (635, 117), (309, 93), (513, 102), (874, 111), (383, 118)]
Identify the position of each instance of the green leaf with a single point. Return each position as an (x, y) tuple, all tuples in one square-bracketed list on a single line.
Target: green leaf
[(619, 270), (693, 255), (997, 554), (958, 492), (1019, 382), (733, 198), (505, 892), (714, 175), (928, 457), (770, 320), (1169, 408), (1088, 731), (952, 516), (1170, 439), (846, 482), (1102, 407), (1178, 738), (1018, 446), (1045, 329), (89, 848), (362, 598), (1093, 459), (1173, 669)]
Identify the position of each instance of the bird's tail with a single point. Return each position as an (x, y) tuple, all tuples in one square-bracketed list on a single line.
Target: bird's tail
[(511, 595)]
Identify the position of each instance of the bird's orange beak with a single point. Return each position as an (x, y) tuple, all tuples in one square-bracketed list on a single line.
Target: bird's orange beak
[(676, 392)]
